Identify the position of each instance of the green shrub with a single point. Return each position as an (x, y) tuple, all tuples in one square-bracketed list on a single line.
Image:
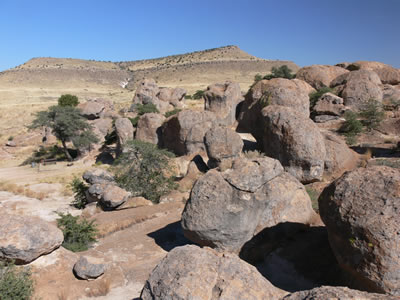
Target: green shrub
[(15, 283), (281, 72), (188, 97), (134, 120), (10, 138), (313, 194), (314, 96), (351, 127), (372, 114), (79, 188), (141, 169), (51, 152), (257, 78), (78, 232), (68, 100), (198, 95), (172, 112), (142, 109)]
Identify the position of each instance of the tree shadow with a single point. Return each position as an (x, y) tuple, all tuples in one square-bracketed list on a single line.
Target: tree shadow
[(170, 236), (294, 257)]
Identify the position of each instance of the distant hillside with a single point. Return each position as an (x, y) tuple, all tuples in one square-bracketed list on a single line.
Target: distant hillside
[(39, 82)]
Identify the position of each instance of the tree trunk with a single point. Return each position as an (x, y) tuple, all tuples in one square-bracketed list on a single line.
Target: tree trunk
[(66, 150)]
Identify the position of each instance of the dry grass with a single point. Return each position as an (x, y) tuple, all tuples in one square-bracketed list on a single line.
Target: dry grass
[(102, 288), (21, 190)]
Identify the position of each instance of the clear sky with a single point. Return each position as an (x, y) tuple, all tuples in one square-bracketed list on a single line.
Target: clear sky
[(304, 31)]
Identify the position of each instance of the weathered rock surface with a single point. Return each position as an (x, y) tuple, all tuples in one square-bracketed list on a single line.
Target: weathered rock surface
[(295, 141), (222, 144), (92, 109), (149, 128), (339, 157), (222, 99), (278, 91), (190, 272), (125, 132), (24, 238), (172, 96), (184, 132), (329, 104), (386, 73), (97, 176), (113, 196), (362, 213), (146, 92), (335, 292), (360, 87), (226, 209), (319, 76), (83, 269)]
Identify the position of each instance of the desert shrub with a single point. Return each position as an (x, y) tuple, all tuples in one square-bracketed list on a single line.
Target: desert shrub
[(257, 78), (141, 169), (198, 95), (15, 283), (313, 194), (314, 96), (172, 112), (78, 232), (134, 121), (79, 189), (68, 100), (10, 138), (142, 109), (281, 72), (371, 114), (51, 152), (351, 127), (188, 97), (251, 154)]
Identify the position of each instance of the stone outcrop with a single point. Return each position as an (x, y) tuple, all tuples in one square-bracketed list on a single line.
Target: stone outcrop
[(222, 99), (149, 128), (361, 211), (222, 144), (146, 92), (190, 272), (319, 76), (335, 292), (172, 96), (184, 132), (387, 74), (295, 141), (95, 108), (125, 131), (329, 104), (97, 176), (226, 209), (24, 238), (108, 195), (84, 269)]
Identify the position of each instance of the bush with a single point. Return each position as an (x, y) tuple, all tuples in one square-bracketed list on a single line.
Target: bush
[(188, 97), (172, 112), (314, 96), (68, 100), (141, 169), (78, 232), (142, 109), (15, 284), (372, 114), (257, 78), (351, 127), (198, 95), (10, 138), (134, 121), (79, 189), (281, 72)]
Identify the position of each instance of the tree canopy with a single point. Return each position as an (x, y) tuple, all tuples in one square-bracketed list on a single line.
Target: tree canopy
[(68, 100), (67, 125)]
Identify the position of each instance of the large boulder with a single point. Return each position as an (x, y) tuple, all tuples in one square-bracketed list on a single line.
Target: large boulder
[(295, 141), (125, 131), (359, 87), (149, 128), (172, 96), (24, 238), (319, 76), (278, 91), (226, 209), (222, 144), (146, 92), (337, 293), (329, 104), (361, 211), (97, 176), (222, 99), (190, 272), (386, 73), (339, 157), (84, 268), (184, 132), (95, 108), (108, 195)]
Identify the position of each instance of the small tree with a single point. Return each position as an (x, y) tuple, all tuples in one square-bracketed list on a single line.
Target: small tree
[(372, 114), (141, 169), (281, 72), (351, 127), (67, 125), (198, 94), (68, 100)]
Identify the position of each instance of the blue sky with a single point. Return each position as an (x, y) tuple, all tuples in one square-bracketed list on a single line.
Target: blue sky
[(304, 31)]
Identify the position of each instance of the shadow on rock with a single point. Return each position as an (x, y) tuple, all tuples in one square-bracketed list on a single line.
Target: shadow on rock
[(170, 236), (294, 257)]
